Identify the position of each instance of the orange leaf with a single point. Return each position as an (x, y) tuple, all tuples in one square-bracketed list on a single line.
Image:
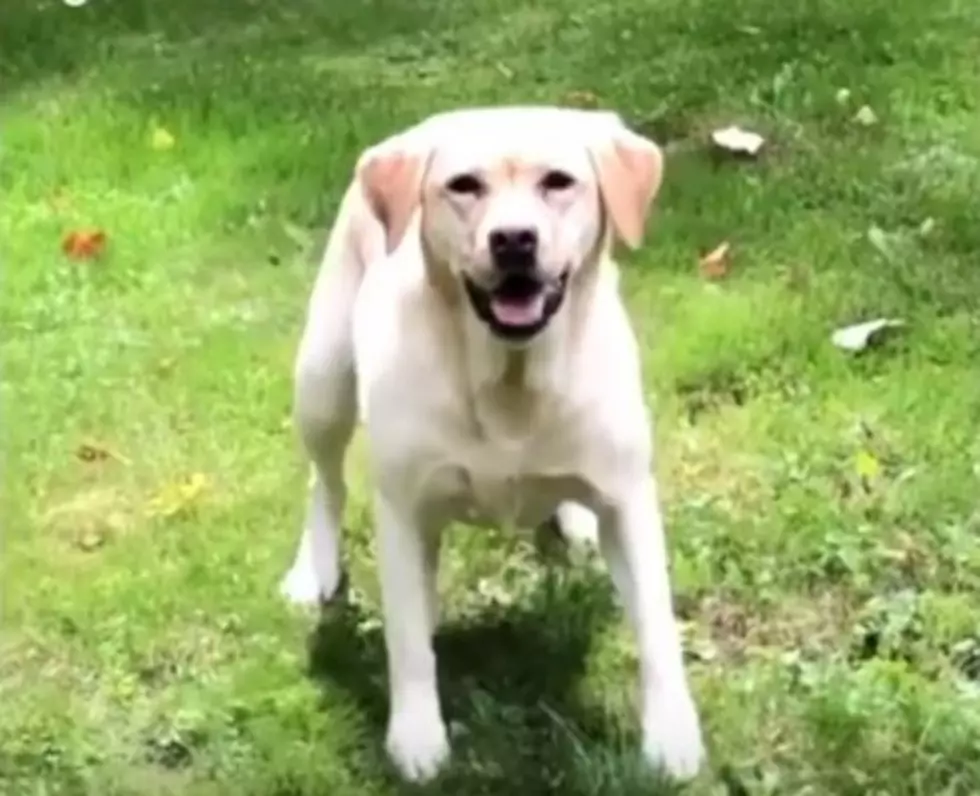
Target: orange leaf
[(84, 244), (716, 263)]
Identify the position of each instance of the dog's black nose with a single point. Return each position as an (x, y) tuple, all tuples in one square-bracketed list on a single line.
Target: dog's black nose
[(514, 247)]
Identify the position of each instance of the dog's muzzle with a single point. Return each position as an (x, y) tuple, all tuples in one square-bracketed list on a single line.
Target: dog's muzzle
[(519, 304)]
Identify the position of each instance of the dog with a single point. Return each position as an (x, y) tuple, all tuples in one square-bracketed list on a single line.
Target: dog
[(467, 313)]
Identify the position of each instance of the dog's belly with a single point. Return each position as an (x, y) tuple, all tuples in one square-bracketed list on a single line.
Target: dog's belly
[(524, 501)]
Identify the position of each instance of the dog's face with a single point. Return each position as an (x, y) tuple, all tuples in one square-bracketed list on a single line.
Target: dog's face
[(514, 202), (512, 220)]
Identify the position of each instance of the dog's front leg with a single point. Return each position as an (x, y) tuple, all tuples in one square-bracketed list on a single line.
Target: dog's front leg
[(417, 742), (632, 542)]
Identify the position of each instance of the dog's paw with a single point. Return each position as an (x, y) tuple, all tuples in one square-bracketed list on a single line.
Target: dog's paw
[(672, 741), (578, 526), (418, 747), (303, 587)]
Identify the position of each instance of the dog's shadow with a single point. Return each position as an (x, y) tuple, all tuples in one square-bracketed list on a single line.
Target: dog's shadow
[(508, 679)]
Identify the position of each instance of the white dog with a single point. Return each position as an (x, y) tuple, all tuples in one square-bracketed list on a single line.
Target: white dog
[(467, 310)]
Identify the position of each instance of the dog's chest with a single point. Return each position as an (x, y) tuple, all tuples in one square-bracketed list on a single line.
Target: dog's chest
[(485, 483)]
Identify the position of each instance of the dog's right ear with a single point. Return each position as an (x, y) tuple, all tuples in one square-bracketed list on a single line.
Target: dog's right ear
[(391, 176)]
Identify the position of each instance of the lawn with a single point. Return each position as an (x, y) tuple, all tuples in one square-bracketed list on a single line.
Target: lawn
[(822, 507)]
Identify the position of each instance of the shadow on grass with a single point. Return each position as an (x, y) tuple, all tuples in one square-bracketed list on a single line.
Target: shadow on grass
[(508, 681)]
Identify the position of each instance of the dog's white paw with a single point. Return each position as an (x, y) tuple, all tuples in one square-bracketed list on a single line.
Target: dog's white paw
[(304, 587), (672, 741), (301, 586), (578, 526), (418, 746)]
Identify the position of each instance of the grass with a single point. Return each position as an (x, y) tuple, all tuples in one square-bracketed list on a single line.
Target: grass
[(822, 507)]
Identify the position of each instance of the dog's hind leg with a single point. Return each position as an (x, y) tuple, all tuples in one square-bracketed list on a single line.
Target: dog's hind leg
[(325, 401), (325, 411)]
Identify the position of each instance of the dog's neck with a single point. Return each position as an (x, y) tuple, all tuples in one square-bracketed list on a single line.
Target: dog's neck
[(514, 389)]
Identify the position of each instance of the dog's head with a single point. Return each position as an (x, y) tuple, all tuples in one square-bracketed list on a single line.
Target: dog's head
[(514, 201)]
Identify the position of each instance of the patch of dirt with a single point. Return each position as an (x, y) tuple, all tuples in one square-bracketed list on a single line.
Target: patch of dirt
[(731, 630), (87, 520)]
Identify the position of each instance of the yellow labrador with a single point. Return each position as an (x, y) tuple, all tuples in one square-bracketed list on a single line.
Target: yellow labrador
[(467, 311)]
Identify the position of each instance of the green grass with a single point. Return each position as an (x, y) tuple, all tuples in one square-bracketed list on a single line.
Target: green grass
[(832, 619)]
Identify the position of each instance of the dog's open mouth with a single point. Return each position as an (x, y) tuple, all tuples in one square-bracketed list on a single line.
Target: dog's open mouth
[(519, 305)]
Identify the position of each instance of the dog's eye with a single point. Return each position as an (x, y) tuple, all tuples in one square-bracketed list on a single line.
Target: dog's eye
[(465, 184), (557, 181)]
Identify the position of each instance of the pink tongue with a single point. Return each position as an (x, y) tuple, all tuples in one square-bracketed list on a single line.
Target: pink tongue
[(518, 312)]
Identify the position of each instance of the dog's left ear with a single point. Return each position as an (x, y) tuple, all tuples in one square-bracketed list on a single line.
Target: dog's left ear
[(391, 175), (630, 170)]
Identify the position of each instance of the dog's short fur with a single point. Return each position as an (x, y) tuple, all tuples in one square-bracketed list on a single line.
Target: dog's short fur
[(467, 311)]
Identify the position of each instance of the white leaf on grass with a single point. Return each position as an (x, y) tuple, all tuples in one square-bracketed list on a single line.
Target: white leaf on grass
[(505, 70), (298, 235), (735, 139), (866, 116), (878, 238), (858, 336)]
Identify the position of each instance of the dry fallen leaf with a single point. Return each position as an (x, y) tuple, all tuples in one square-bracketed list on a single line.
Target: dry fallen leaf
[(581, 99), (162, 139), (91, 540), (738, 141), (716, 263), (92, 452), (95, 532), (906, 551), (84, 244)]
